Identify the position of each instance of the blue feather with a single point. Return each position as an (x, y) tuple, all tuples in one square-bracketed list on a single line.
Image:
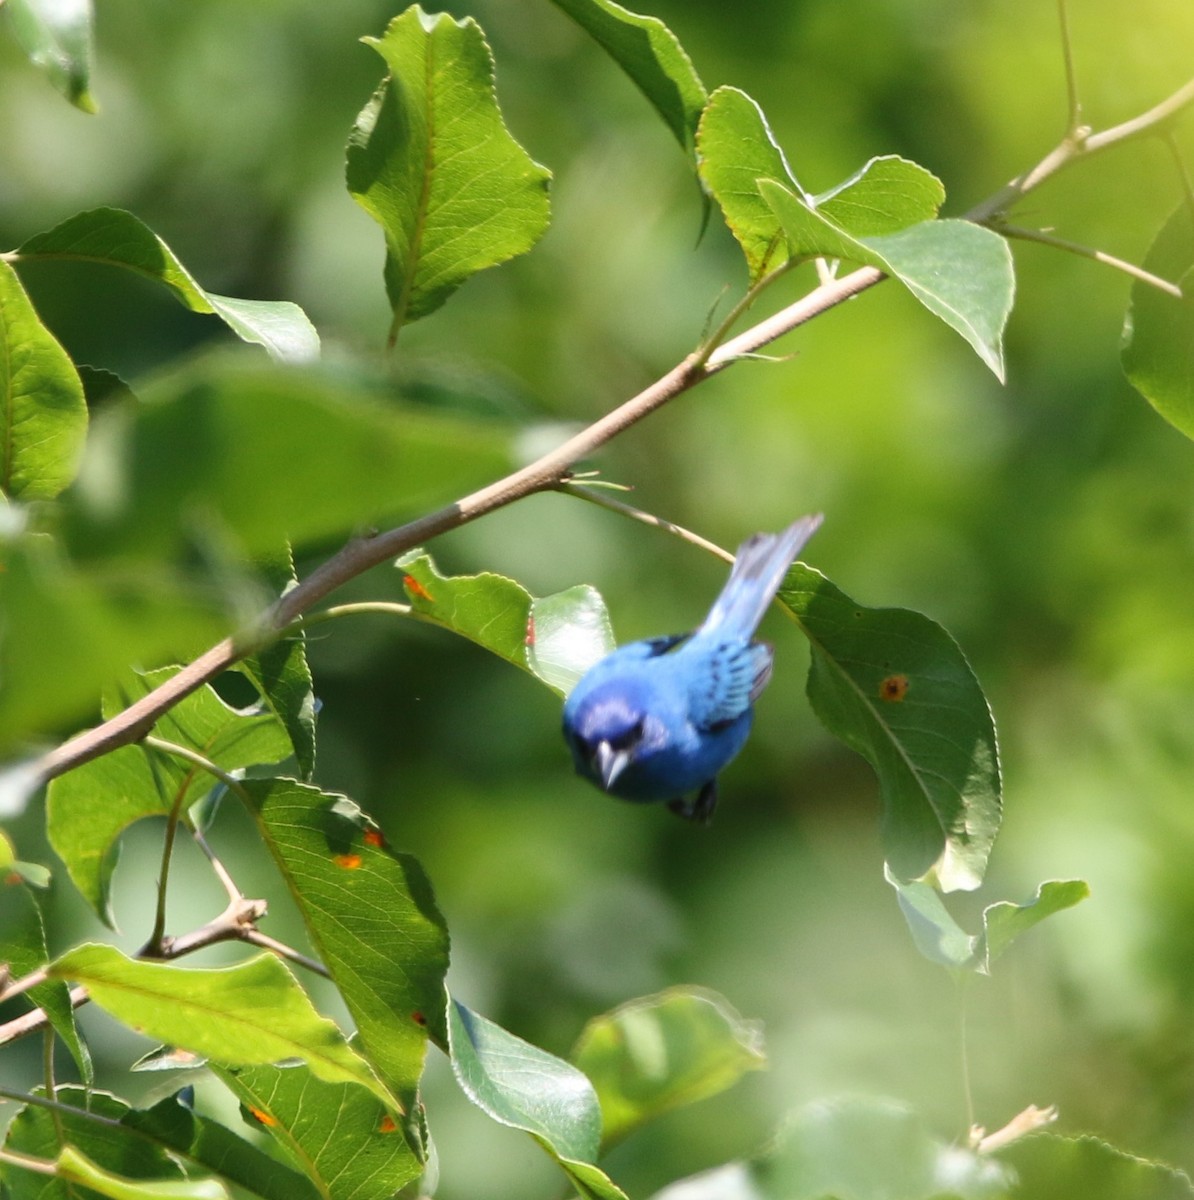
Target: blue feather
[(659, 719)]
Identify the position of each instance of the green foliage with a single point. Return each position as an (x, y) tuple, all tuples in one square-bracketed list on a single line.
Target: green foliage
[(650, 54), (896, 688), (119, 239), (431, 161), (1158, 350), (57, 37), (142, 522), (557, 638), (43, 418), (250, 1013), (663, 1052), (526, 1088)]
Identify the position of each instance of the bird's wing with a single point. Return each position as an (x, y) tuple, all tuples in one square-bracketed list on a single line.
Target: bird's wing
[(759, 569), (725, 680)]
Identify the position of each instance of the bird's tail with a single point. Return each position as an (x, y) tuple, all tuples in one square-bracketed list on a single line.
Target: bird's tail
[(759, 569)]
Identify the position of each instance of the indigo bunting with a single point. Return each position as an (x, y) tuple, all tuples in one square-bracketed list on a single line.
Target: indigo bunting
[(657, 719)]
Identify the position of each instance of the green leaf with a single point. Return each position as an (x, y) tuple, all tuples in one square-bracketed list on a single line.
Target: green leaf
[(34, 1132), (337, 1134), (650, 54), (117, 238), (268, 454), (1004, 922), (571, 631), (936, 934), (174, 1125), (23, 950), (65, 633), (662, 1052), (251, 1013), (1158, 345), (735, 149), (90, 807), (282, 677), (43, 416), (56, 35), (895, 687), (526, 1088), (557, 638), (871, 1150), (371, 916), (1049, 1166), (430, 159), (76, 1168), (960, 272), (885, 195)]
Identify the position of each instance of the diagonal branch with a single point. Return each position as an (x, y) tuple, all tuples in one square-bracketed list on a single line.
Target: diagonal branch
[(549, 471)]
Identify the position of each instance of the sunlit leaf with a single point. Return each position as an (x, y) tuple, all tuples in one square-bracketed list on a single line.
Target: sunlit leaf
[(959, 271), (735, 149), (557, 638), (23, 950), (886, 194), (650, 54), (34, 1132), (117, 238), (251, 1013), (43, 416), (90, 807), (936, 934), (895, 687), (1158, 347), (526, 1088), (338, 1134), (77, 1168), (57, 37), (431, 160), (1004, 922), (269, 454), (661, 1052), (571, 631), (1049, 1166), (371, 916)]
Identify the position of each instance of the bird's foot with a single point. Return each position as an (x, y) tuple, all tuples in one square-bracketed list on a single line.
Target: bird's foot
[(699, 809)]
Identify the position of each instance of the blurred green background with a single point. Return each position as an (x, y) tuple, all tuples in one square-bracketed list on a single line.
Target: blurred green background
[(1047, 524)]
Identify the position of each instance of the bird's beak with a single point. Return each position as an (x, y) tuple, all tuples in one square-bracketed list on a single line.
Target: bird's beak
[(610, 763)]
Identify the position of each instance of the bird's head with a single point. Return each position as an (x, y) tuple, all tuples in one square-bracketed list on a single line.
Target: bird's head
[(607, 735)]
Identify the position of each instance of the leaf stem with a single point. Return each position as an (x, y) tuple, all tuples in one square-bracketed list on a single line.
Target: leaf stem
[(40, 1166), (282, 950), (1109, 260)]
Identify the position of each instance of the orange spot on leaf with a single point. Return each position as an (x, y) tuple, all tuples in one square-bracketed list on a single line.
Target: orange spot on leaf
[(259, 1114), (388, 1125), (530, 638), (415, 588), (374, 837), (418, 1018), (349, 862), (12, 879), (894, 688)]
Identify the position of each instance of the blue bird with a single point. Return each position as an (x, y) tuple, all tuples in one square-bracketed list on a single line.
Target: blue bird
[(658, 719)]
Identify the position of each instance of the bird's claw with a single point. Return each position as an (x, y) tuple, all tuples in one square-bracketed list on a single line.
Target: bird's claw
[(699, 809)]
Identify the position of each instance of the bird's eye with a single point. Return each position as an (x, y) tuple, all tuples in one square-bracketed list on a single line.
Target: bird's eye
[(631, 737)]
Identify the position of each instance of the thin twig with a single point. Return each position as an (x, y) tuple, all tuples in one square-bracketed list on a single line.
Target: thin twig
[(256, 938), (1071, 79), (41, 1166), (159, 916), (220, 871), (628, 510), (1047, 239)]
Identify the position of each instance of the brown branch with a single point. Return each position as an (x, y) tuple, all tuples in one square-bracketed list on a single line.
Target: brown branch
[(551, 469)]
